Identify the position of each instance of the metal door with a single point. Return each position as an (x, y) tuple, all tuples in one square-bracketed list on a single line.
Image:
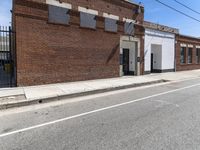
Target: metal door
[(126, 61)]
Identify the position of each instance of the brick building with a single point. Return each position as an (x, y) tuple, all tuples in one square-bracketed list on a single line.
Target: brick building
[(187, 53), (73, 40)]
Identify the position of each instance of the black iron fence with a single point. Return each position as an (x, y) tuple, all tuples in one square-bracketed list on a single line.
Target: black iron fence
[(7, 57)]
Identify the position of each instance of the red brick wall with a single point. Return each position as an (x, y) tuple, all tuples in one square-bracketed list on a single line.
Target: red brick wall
[(120, 8), (51, 53), (188, 41)]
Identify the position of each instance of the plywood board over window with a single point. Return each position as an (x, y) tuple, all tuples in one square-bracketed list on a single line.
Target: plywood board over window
[(110, 25), (129, 28), (58, 15), (87, 20)]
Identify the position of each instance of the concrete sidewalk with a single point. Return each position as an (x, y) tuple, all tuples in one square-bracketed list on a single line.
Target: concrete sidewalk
[(21, 96)]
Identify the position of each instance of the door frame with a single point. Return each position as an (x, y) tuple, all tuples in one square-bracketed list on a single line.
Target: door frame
[(152, 70), (126, 42)]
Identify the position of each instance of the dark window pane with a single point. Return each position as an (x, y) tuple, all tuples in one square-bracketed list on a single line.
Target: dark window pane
[(121, 59), (189, 55), (88, 20), (197, 55), (58, 15), (182, 52), (129, 28), (110, 25)]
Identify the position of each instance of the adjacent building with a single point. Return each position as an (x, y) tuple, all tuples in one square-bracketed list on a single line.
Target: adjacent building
[(187, 53), (4, 49), (159, 48), (4, 46)]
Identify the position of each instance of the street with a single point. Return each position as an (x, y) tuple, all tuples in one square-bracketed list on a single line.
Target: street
[(159, 117)]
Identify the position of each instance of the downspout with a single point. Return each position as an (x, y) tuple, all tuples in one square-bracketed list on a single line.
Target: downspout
[(175, 54)]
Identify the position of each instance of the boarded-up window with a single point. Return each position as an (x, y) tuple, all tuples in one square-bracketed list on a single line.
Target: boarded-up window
[(58, 15), (88, 20), (129, 28), (110, 25)]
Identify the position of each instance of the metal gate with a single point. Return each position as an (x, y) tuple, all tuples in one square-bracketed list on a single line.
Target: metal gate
[(7, 57)]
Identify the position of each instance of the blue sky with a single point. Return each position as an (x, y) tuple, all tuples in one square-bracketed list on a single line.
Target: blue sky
[(158, 13), (5, 14), (154, 12)]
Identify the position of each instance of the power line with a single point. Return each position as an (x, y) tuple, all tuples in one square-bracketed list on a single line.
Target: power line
[(178, 11), (187, 7)]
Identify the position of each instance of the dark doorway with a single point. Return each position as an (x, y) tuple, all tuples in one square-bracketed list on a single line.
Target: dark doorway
[(126, 61), (152, 63)]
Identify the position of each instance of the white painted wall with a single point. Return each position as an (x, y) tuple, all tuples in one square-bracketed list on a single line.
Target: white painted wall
[(167, 40), (132, 61), (57, 3)]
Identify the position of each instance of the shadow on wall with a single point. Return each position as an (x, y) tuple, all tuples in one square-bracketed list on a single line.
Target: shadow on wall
[(143, 58), (113, 52)]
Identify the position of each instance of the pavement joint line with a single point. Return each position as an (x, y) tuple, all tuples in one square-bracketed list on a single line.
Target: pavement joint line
[(94, 111)]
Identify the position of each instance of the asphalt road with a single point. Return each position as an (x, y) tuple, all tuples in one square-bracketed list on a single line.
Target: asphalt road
[(162, 117)]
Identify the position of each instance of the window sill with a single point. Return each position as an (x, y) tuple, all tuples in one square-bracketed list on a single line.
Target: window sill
[(183, 64), (88, 28), (113, 32), (125, 34), (61, 24), (189, 64)]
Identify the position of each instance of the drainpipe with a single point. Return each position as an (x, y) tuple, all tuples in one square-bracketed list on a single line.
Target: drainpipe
[(175, 54)]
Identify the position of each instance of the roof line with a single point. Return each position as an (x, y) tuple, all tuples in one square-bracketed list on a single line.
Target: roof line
[(133, 3), (189, 36)]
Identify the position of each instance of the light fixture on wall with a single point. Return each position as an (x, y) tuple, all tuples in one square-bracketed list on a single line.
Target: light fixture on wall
[(138, 10)]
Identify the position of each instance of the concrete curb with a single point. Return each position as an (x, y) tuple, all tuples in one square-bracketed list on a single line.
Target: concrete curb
[(61, 97)]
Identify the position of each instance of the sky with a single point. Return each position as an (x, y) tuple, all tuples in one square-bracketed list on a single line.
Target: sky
[(158, 13), (5, 14), (154, 12)]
